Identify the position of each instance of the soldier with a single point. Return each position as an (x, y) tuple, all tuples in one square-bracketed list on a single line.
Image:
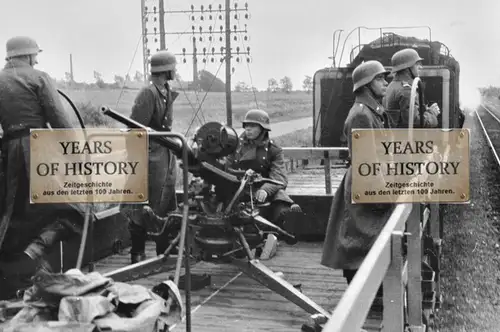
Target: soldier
[(353, 228), (258, 152), (406, 66), (28, 99), (153, 108)]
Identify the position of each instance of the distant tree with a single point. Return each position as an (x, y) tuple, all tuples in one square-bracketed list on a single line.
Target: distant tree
[(272, 85), (119, 80), (209, 82), (241, 87), (138, 77), (307, 83), (67, 77), (98, 80), (286, 84)]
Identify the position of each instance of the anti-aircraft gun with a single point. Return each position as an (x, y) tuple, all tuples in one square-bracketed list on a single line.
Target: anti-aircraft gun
[(224, 219)]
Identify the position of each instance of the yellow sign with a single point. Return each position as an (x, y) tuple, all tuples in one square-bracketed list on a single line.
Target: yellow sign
[(88, 166), (400, 166)]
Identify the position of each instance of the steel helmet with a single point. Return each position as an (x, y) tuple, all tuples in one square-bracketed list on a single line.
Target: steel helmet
[(366, 72), (259, 117), (21, 45), (162, 61), (404, 59)]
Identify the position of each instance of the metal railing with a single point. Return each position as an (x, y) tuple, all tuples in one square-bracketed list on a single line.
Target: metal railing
[(400, 276)]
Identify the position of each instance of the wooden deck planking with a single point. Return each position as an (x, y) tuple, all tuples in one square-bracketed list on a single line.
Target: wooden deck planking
[(235, 302), (312, 181)]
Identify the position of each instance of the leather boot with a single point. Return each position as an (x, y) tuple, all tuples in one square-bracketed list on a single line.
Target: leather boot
[(138, 238), (137, 257), (291, 222)]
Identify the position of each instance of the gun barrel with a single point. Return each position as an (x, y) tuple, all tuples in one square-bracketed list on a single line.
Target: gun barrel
[(173, 144)]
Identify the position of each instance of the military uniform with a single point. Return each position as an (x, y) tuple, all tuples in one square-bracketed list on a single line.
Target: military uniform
[(153, 108), (28, 100), (353, 228), (266, 158), (397, 103)]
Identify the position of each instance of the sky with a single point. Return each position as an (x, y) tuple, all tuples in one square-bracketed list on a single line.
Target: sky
[(286, 38)]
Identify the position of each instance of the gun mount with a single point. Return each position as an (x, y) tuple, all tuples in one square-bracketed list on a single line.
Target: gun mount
[(225, 223)]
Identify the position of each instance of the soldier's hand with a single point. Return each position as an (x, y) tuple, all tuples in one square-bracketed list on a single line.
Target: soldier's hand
[(434, 108), (260, 195)]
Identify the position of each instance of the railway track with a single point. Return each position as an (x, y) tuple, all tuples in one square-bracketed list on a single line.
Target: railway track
[(489, 119)]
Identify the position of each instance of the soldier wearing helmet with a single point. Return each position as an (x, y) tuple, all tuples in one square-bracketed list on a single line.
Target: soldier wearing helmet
[(153, 107), (406, 66), (28, 99), (353, 228), (258, 152)]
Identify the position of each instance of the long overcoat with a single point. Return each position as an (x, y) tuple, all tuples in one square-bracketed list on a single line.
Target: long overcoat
[(28, 99), (153, 107), (353, 228)]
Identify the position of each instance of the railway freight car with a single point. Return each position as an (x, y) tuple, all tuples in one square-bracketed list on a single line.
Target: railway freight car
[(332, 87)]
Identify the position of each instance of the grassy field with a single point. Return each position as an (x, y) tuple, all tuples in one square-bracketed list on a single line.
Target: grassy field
[(280, 106)]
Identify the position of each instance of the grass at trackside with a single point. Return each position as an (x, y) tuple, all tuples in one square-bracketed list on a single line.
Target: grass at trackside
[(280, 106), (470, 260), (299, 138)]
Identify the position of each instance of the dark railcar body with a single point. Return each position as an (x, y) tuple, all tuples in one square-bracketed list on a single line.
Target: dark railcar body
[(332, 87)]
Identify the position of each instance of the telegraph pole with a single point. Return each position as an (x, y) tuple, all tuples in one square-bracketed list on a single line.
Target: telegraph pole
[(195, 65), (145, 54), (162, 24), (71, 68), (229, 109)]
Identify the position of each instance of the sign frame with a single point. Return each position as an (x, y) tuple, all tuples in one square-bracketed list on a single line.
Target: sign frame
[(85, 135), (378, 194)]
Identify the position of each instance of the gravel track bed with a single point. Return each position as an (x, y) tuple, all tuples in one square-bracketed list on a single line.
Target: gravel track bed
[(470, 260)]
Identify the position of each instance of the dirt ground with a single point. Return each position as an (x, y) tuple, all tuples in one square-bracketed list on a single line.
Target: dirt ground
[(470, 269)]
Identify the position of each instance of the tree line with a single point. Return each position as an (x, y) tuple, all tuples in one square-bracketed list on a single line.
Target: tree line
[(206, 82)]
